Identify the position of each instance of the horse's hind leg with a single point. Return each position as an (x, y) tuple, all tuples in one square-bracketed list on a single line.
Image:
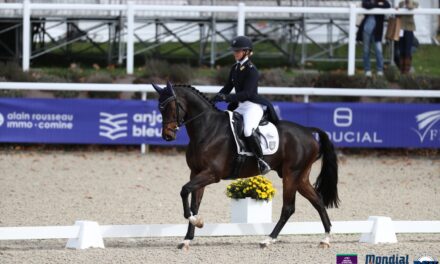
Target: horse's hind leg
[(307, 190), (196, 199), (289, 194)]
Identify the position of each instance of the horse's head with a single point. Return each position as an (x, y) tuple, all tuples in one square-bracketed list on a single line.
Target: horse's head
[(169, 108)]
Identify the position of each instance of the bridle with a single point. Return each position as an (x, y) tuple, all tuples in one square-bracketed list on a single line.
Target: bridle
[(180, 121)]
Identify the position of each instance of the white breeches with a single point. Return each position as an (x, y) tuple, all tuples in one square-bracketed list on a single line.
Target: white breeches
[(252, 114)]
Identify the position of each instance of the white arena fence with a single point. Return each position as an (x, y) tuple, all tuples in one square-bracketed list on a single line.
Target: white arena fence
[(86, 234), (148, 88), (129, 11)]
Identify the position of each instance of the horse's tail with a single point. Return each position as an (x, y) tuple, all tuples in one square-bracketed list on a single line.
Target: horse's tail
[(327, 181)]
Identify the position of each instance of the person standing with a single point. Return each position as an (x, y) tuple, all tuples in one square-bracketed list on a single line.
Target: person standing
[(406, 40), (371, 31)]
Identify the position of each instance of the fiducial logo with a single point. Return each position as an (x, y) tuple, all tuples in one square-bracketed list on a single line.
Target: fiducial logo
[(425, 123), (113, 126), (2, 119)]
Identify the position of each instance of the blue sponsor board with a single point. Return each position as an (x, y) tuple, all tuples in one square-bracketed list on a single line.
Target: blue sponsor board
[(81, 121), (87, 121)]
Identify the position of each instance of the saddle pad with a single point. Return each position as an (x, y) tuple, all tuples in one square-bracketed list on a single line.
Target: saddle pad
[(269, 138)]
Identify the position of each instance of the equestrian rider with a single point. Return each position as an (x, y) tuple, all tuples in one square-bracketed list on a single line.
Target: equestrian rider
[(246, 101)]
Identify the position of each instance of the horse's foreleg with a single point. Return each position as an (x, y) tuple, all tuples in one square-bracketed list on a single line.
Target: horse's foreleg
[(196, 198), (196, 187), (289, 194), (199, 181), (310, 194)]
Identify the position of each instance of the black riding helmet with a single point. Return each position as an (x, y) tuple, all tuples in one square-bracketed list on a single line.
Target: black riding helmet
[(241, 43)]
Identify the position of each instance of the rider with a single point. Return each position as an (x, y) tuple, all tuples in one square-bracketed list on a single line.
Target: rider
[(246, 101)]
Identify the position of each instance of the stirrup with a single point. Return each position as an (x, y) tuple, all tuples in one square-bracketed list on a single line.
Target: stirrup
[(263, 166)]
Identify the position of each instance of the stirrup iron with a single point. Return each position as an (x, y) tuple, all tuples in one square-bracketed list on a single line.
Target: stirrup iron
[(263, 166)]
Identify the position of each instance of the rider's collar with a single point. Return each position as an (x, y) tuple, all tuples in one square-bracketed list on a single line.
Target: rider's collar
[(243, 60)]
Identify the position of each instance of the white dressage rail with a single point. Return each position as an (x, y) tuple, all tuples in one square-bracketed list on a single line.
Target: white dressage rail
[(146, 88), (85, 234), (240, 9), (224, 229)]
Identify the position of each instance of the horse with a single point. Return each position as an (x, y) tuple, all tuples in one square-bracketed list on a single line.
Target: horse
[(211, 153)]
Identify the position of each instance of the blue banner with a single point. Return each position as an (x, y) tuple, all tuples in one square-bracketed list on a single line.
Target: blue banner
[(94, 121)]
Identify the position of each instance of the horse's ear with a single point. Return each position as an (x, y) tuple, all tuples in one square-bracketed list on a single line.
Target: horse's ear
[(157, 88), (170, 87)]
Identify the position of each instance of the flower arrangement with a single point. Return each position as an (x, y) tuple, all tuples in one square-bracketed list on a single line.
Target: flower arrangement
[(258, 187)]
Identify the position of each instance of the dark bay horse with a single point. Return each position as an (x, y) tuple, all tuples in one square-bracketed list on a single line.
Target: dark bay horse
[(211, 152)]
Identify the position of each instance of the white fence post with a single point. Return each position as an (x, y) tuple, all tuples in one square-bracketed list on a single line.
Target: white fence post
[(144, 147), (130, 37), (26, 35), (382, 232), (352, 41), (241, 19), (89, 236)]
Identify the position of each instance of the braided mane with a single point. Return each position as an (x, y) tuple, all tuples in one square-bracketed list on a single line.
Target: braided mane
[(198, 93)]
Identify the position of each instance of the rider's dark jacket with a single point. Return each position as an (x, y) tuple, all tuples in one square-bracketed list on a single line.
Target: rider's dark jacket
[(245, 80)]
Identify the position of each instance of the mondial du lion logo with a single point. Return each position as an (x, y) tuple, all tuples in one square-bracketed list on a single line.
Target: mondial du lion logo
[(425, 122), (113, 126)]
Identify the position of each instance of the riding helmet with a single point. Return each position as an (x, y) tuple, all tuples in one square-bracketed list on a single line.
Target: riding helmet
[(241, 43)]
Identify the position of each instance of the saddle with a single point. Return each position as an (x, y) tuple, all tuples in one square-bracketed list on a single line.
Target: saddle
[(267, 132)]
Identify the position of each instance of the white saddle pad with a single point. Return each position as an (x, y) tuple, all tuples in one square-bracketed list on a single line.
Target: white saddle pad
[(269, 138)]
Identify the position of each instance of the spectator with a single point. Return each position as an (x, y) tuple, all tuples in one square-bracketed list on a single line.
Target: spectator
[(406, 40), (371, 31)]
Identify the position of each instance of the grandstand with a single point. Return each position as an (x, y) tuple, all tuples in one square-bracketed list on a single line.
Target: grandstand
[(199, 32)]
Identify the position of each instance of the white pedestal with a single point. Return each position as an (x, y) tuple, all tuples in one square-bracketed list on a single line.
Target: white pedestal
[(249, 210)]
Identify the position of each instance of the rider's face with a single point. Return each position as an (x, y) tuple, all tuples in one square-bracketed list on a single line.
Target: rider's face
[(238, 54)]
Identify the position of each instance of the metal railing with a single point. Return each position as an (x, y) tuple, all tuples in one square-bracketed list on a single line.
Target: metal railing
[(130, 9)]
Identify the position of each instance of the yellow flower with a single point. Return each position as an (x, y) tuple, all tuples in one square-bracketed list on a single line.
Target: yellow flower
[(258, 187)]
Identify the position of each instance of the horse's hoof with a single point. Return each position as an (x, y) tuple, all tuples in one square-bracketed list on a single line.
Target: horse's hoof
[(200, 223), (184, 245), (324, 245), (197, 221), (265, 243)]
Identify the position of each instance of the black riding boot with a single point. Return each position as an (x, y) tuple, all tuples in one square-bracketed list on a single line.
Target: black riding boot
[(254, 145)]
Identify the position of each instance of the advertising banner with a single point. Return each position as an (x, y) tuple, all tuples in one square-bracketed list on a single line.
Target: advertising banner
[(371, 124), (102, 121)]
